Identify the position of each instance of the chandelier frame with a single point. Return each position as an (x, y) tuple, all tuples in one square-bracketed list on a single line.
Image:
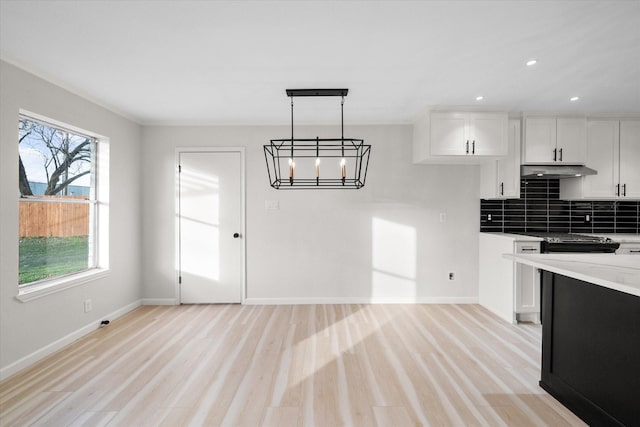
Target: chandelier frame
[(281, 154)]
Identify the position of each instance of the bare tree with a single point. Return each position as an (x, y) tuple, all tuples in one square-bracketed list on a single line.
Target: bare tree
[(23, 181), (63, 156)]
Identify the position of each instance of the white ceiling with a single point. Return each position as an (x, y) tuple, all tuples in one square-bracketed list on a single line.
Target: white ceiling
[(231, 61)]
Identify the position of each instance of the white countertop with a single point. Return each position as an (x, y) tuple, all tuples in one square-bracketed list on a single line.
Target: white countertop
[(620, 237), (514, 237), (618, 272)]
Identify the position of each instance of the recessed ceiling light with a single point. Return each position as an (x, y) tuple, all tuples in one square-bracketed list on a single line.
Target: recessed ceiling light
[(531, 62), (479, 98), (574, 98)]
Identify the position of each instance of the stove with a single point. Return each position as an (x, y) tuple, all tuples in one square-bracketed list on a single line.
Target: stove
[(572, 242)]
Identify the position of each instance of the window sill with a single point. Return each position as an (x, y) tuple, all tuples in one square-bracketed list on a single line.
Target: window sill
[(56, 285)]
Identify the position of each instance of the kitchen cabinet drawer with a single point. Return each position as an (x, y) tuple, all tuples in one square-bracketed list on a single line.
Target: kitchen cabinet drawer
[(628, 249), (527, 248)]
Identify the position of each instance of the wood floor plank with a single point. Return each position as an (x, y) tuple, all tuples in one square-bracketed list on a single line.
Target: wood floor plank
[(281, 416), (391, 416), (93, 419), (303, 365)]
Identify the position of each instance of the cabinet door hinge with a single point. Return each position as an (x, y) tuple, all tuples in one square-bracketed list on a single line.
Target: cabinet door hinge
[(179, 168), (179, 280)]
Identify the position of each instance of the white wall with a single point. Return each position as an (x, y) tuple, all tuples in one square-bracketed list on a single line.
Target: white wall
[(28, 327), (383, 243)]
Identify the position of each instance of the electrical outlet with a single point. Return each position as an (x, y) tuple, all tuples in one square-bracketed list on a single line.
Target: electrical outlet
[(272, 205), (88, 305), (451, 276)]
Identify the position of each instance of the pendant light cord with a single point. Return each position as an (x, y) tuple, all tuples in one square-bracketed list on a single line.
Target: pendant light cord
[(292, 127), (342, 123)]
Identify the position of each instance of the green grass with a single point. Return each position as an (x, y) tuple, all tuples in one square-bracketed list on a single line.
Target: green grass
[(46, 257)]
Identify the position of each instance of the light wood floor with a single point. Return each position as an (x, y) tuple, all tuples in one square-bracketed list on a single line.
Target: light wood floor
[(304, 365)]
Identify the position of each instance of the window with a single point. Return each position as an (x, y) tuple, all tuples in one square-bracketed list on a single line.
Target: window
[(57, 204)]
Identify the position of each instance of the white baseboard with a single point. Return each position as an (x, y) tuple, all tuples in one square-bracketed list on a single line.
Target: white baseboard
[(45, 351), (361, 300), (159, 301)]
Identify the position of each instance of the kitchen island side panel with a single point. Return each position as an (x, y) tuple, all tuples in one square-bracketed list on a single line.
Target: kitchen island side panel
[(591, 350)]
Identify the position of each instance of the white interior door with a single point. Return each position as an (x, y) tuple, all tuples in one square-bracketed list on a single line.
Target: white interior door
[(210, 221)]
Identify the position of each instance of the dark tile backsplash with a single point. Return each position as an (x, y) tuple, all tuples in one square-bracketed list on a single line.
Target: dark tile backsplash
[(540, 209)]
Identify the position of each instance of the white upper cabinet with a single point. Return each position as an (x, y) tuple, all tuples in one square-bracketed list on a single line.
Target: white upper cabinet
[(489, 134), (571, 140), (555, 140), (540, 140), (449, 134), (468, 134), (500, 179), (613, 150), (629, 159), (602, 155)]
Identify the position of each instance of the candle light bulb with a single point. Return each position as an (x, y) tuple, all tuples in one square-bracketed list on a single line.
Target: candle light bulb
[(343, 168), (317, 167), (292, 165)]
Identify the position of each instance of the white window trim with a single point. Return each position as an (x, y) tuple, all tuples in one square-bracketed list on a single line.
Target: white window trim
[(50, 286)]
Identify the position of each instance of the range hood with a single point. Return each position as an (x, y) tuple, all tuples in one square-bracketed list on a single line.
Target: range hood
[(555, 171)]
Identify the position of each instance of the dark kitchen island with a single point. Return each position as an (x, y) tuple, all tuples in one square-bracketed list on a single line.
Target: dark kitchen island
[(591, 334)]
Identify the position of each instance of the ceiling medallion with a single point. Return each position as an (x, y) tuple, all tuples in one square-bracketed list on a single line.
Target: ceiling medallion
[(317, 163)]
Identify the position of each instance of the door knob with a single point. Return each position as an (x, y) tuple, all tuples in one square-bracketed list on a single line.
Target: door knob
[(236, 235)]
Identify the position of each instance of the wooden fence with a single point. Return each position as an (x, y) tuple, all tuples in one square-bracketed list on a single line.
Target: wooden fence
[(54, 219)]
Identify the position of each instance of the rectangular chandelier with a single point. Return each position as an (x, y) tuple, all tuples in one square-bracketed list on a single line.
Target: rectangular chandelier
[(320, 163)]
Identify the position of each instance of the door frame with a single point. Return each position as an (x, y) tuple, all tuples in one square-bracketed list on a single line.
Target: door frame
[(243, 214)]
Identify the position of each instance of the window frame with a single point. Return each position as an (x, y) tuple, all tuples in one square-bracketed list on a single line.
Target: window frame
[(98, 205)]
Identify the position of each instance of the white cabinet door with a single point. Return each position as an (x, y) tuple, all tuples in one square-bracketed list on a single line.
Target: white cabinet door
[(571, 140), (449, 134), (496, 276), (500, 179), (509, 167), (540, 140), (469, 134), (602, 155), (488, 134), (630, 159), (527, 281)]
